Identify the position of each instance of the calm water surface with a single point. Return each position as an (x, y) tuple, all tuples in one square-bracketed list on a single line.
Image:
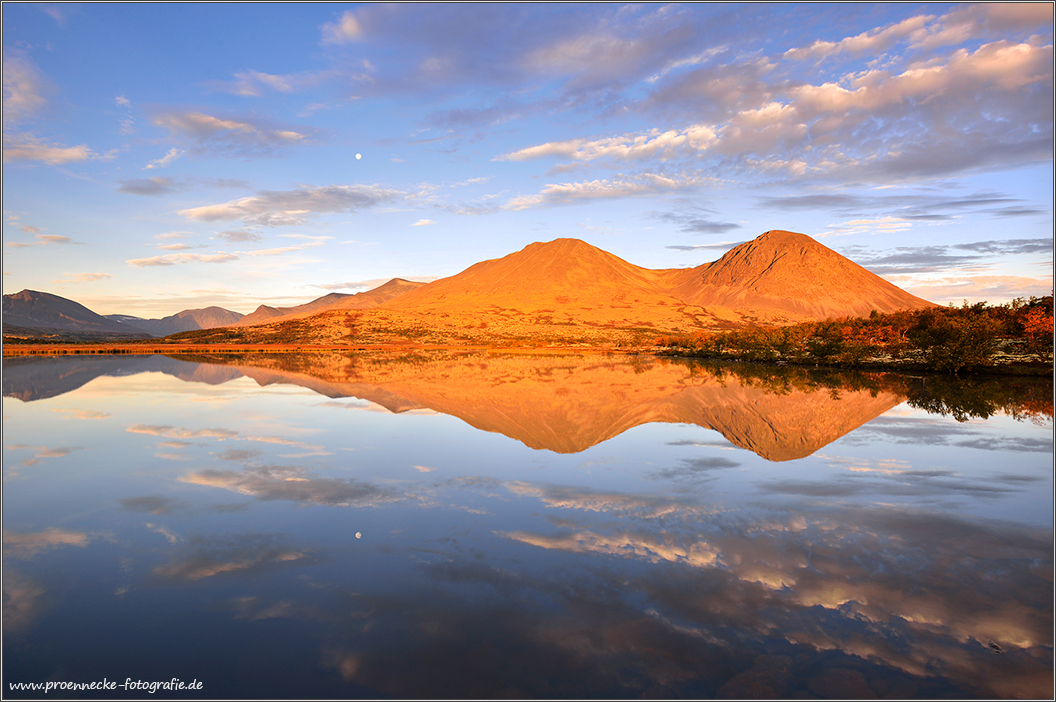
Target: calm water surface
[(494, 526)]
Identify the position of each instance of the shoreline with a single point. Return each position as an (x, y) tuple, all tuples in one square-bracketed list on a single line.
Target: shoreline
[(1004, 368)]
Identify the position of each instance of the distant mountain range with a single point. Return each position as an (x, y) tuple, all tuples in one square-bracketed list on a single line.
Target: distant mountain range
[(780, 277)]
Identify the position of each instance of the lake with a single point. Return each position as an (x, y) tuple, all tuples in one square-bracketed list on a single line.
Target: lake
[(486, 525)]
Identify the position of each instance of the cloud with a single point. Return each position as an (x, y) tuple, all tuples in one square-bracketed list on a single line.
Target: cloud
[(344, 30), (722, 246), (149, 186), (976, 288), (294, 207), (423, 222), (28, 544), (82, 277), (930, 259), (165, 160), (25, 88), (43, 240), (241, 136), (244, 554), (239, 235), (25, 147), (172, 432), (628, 147), (694, 224), (255, 83), (621, 186), (181, 258), (849, 129), (154, 504), (874, 41)]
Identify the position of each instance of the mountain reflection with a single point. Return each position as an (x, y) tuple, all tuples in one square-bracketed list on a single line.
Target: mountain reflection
[(567, 404)]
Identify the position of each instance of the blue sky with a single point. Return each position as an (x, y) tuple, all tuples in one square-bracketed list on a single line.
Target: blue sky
[(160, 157)]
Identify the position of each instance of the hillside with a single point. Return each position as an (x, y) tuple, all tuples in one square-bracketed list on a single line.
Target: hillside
[(187, 320), (779, 277), (784, 274), (35, 310), (334, 301)]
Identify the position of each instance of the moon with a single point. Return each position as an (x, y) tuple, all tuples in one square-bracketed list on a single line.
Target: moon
[(359, 156), (359, 535)]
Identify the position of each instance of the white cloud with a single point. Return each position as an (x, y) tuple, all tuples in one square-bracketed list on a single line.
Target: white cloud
[(242, 136), (279, 208), (26, 147), (165, 160), (621, 186), (24, 87), (423, 222), (180, 258), (344, 30), (82, 277)]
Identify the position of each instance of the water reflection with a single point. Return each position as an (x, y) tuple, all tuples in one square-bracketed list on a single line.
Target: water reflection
[(851, 535), (567, 404)]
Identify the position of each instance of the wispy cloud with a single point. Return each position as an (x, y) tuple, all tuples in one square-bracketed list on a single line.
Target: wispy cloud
[(241, 136), (149, 186), (181, 258), (165, 160), (294, 207)]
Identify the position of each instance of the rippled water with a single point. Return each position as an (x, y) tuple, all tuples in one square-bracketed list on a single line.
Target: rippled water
[(492, 526)]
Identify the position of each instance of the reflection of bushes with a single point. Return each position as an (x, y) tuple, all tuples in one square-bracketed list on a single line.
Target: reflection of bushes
[(947, 339), (1023, 397)]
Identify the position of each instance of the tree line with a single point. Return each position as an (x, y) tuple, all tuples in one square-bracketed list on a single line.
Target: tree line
[(948, 339)]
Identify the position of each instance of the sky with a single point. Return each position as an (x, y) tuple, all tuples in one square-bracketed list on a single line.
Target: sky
[(162, 157)]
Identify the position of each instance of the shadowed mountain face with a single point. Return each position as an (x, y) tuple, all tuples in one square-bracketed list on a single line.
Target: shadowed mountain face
[(334, 301), (41, 310), (187, 320)]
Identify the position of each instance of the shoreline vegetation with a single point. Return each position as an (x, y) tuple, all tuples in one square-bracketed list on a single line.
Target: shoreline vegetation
[(1014, 338)]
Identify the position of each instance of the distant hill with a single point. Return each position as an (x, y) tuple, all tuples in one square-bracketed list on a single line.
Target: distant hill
[(334, 301), (187, 320), (40, 310)]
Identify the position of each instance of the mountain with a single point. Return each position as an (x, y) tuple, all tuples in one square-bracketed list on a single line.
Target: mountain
[(40, 310), (334, 301), (790, 274), (779, 276), (187, 320)]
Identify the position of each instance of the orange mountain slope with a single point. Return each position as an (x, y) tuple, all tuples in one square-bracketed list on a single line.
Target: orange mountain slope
[(334, 301), (786, 273), (779, 276)]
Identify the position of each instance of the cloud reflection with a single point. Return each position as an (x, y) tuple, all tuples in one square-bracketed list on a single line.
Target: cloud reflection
[(295, 485), (243, 554)]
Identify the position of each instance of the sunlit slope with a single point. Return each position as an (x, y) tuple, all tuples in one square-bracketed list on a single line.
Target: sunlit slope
[(779, 276), (334, 301), (561, 281), (791, 274)]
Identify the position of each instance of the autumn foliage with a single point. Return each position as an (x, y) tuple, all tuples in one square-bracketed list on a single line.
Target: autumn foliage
[(948, 339)]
